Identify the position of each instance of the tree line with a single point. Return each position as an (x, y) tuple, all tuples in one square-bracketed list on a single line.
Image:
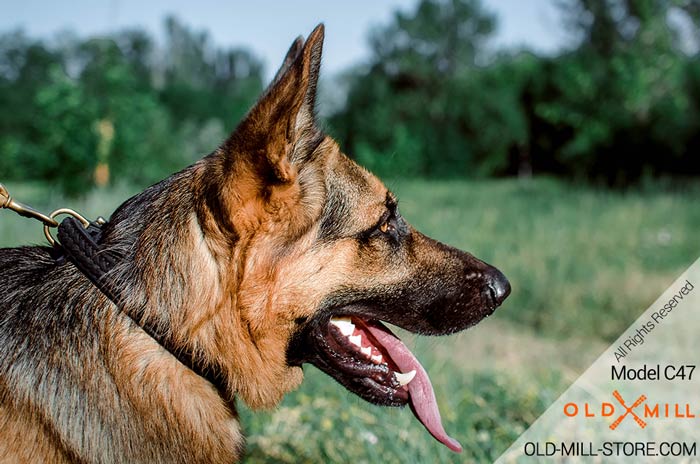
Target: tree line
[(81, 112), (619, 105)]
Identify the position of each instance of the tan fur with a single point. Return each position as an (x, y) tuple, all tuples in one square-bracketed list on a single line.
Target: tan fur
[(18, 429), (180, 396)]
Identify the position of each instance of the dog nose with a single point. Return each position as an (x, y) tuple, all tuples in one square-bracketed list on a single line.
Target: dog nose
[(498, 285)]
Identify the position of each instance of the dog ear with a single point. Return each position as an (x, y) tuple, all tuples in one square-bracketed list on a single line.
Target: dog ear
[(292, 54), (280, 129)]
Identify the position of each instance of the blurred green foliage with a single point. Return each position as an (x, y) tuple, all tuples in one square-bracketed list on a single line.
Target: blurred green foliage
[(166, 105), (618, 106)]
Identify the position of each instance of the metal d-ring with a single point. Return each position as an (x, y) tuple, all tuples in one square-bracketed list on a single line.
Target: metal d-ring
[(58, 212)]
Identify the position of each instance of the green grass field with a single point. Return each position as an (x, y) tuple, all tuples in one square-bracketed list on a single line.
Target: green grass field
[(583, 264)]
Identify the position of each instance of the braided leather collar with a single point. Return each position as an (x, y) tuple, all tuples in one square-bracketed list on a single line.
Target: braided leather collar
[(81, 245)]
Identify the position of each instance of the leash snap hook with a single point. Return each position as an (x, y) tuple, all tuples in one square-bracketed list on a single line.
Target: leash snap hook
[(6, 201)]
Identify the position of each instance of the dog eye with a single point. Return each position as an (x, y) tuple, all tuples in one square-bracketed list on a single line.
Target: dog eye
[(386, 227)]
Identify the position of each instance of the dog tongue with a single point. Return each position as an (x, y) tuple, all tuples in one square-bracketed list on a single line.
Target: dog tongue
[(421, 395)]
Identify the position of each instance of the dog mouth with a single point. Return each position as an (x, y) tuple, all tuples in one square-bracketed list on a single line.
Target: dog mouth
[(372, 362)]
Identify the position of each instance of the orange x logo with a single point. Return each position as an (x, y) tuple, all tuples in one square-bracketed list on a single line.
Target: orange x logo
[(628, 410)]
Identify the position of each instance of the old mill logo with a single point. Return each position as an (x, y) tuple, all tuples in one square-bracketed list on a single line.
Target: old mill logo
[(640, 410), (628, 410)]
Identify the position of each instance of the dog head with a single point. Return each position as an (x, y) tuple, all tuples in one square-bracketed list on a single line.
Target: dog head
[(314, 255)]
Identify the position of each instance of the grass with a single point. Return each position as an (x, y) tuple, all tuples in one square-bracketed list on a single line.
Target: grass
[(583, 264), (323, 423)]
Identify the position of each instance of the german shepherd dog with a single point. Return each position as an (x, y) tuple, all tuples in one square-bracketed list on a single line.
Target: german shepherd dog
[(273, 251)]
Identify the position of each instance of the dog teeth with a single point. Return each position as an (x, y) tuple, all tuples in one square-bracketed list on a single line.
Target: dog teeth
[(347, 328), (403, 379), (344, 325)]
